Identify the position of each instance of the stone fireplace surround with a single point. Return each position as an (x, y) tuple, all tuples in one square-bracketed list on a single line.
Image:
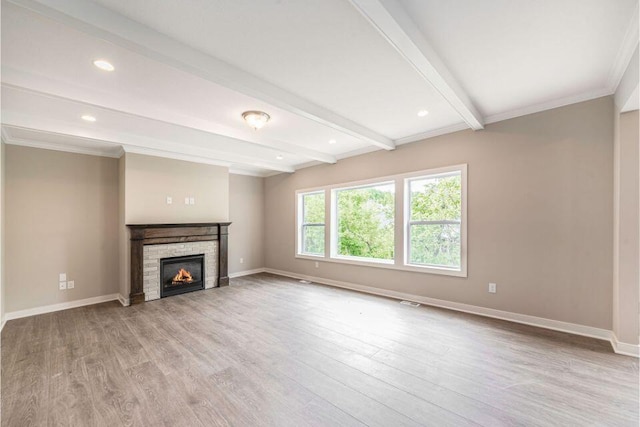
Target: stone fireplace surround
[(151, 242)]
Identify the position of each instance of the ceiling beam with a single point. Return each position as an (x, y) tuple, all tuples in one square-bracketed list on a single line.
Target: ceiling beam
[(101, 22), (15, 80), (149, 145), (397, 27)]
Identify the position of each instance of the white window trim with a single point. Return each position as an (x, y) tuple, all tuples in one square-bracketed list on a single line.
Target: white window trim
[(400, 249), (440, 172), (333, 253), (299, 223)]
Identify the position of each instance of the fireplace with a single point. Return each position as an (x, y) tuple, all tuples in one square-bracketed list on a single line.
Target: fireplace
[(151, 243), (181, 274)]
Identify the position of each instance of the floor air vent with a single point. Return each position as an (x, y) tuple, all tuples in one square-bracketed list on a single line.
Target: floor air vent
[(411, 303), (306, 282)]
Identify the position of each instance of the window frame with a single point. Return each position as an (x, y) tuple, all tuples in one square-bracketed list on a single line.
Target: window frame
[(333, 252), (401, 218), (408, 223), (300, 224)]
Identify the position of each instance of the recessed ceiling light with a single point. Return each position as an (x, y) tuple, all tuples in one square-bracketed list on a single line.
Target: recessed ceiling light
[(88, 118), (103, 65), (279, 157), (422, 113), (256, 119), (332, 141)]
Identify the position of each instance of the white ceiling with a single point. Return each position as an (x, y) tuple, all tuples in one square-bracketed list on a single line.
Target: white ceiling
[(356, 71)]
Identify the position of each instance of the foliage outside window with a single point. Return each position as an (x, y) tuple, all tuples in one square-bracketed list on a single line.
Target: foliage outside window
[(434, 227), (312, 224), (365, 222)]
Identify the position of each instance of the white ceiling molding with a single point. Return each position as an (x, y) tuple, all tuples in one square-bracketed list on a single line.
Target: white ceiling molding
[(118, 151), (397, 27), (625, 53), (432, 133), (236, 171), (101, 22), (37, 85), (113, 152), (556, 103), (626, 96), (179, 151)]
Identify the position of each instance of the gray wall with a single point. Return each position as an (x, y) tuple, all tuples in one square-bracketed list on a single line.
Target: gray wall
[(246, 233), (539, 214), (149, 180), (626, 274), (62, 216), (2, 231), (145, 183)]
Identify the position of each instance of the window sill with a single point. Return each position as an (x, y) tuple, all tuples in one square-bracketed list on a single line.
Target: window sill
[(387, 265)]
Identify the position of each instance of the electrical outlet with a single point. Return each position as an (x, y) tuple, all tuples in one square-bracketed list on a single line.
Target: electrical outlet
[(192, 200), (317, 264), (63, 277), (71, 284), (492, 288), (241, 260), (62, 286), (186, 200), (169, 200)]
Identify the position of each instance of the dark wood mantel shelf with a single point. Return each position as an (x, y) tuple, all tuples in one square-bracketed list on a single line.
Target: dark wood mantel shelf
[(157, 234)]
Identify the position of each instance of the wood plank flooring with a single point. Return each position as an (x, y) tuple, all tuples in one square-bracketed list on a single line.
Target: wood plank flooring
[(271, 351)]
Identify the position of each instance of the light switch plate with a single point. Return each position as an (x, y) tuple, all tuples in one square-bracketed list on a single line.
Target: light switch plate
[(192, 200), (169, 200), (63, 277), (186, 200), (71, 284)]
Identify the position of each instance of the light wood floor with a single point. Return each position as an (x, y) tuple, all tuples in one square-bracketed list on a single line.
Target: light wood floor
[(271, 351)]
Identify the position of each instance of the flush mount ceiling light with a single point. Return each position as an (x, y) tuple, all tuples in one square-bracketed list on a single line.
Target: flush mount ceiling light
[(332, 141), (256, 119), (88, 118), (103, 65), (422, 113), (279, 157)]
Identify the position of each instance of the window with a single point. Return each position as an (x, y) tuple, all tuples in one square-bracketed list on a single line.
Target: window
[(364, 222), (435, 220), (311, 220), (414, 221)]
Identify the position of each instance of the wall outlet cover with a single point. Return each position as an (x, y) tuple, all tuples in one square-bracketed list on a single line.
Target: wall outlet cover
[(492, 288), (169, 200), (62, 286), (71, 284), (63, 277)]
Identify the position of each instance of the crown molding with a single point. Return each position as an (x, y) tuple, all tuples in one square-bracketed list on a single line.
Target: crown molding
[(173, 155), (9, 140), (548, 105), (236, 171), (625, 52), (432, 133), (98, 21)]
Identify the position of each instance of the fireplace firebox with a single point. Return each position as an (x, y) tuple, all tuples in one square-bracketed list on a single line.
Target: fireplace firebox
[(181, 274)]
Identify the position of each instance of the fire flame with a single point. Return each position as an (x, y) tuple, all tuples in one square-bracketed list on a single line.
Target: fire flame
[(183, 276)]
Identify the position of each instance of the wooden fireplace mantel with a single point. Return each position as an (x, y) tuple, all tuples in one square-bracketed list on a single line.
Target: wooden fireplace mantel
[(157, 234)]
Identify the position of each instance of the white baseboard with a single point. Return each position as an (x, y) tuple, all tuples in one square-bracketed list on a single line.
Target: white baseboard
[(61, 306), (624, 348), (556, 325), (246, 272), (4, 322), (124, 301)]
